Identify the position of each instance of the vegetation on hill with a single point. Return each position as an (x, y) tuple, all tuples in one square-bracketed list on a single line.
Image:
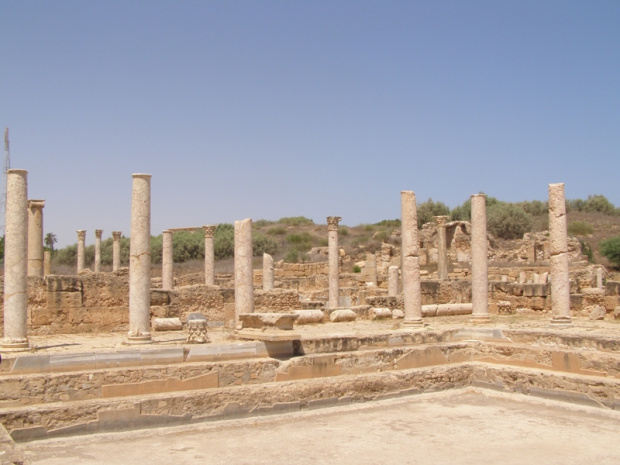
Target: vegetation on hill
[(594, 221)]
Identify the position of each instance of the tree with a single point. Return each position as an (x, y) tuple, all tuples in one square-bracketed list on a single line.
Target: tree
[(50, 240), (610, 248), (429, 209)]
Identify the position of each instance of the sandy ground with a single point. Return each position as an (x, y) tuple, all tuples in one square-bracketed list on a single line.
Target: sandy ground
[(459, 427)]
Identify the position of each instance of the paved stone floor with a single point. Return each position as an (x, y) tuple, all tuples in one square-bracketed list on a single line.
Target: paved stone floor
[(461, 427)]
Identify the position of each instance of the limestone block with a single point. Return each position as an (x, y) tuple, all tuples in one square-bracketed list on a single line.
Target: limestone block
[(283, 321), (309, 316), (617, 313), (63, 283), (398, 314), (338, 316), (379, 313), (167, 324), (596, 312)]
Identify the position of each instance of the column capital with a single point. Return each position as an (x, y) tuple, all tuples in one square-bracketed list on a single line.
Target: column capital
[(98, 233), (116, 235), (36, 204), (209, 230), (332, 223), (81, 234), (441, 220)]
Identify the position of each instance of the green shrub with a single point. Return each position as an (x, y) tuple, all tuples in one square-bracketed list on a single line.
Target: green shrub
[(389, 223), (429, 209), (224, 241), (262, 244), (277, 231), (261, 223), (343, 231), (295, 220), (292, 256), (586, 249), (593, 204), (356, 269), (579, 228), (610, 248), (534, 207), (507, 221)]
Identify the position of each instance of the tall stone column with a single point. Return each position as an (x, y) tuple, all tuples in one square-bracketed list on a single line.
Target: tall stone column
[(98, 233), (15, 262), (479, 260), (209, 255), (167, 261), (81, 250), (412, 293), (47, 263), (116, 250), (244, 278), (442, 252), (35, 237), (140, 261), (267, 272), (560, 283), (334, 259), (392, 281)]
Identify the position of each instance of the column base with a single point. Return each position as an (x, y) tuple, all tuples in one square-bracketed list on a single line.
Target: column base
[(480, 319), (561, 322), (414, 323), (141, 339), (15, 345)]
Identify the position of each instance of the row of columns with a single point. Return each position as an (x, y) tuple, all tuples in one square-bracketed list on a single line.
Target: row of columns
[(16, 263), (81, 250)]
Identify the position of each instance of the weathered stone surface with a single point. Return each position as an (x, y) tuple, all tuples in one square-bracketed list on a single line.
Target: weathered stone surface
[(398, 314), (617, 313), (244, 290), (282, 321), (197, 330), (309, 316), (596, 312), (342, 315), (379, 313), (167, 324)]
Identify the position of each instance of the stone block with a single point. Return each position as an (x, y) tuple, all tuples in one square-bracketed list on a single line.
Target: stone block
[(225, 352), (161, 356), (117, 359), (309, 316), (342, 315), (57, 283), (60, 300), (379, 313), (72, 362), (167, 324), (31, 364), (280, 321)]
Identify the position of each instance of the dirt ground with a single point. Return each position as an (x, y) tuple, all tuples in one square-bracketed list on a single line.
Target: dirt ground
[(461, 427)]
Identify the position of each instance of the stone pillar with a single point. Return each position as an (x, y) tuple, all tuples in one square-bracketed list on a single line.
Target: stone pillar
[(560, 286), (140, 261), (244, 277), (479, 260), (47, 263), (116, 250), (98, 233), (392, 281), (167, 261), (371, 268), (81, 252), (412, 293), (442, 250), (334, 260), (267, 272), (599, 277), (35, 237), (209, 255), (15, 262)]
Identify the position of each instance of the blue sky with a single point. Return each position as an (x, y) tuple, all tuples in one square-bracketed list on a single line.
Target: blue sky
[(266, 109)]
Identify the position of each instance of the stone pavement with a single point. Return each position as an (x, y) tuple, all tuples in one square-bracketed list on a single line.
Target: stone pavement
[(459, 427)]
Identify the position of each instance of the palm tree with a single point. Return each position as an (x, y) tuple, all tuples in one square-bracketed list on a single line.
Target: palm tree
[(50, 240)]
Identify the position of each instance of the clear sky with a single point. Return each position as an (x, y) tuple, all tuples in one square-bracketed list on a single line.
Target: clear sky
[(265, 109)]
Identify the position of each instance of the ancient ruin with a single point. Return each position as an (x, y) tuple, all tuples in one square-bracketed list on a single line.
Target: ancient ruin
[(289, 337)]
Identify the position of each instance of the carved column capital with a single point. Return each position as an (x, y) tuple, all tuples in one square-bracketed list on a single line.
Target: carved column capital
[(209, 230), (332, 223), (116, 235), (81, 234), (36, 204), (98, 233), (441, 220)]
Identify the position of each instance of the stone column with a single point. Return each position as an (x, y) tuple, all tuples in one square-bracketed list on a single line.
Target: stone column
[(244, 278), (167, 261), (98, 233), (599, 277), (334, 259), (35, 237), (47, 263), (267, 272), (209, 255), (81, 252), (560, 285), (15, 262), (392, 281), (371, 268), (116, 250), (479, 260), (140, 261), (412, 293), (442, 252)]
